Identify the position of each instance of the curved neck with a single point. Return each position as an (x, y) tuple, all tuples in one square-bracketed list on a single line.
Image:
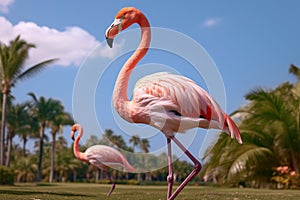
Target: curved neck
[(76, 150), (120, 98)]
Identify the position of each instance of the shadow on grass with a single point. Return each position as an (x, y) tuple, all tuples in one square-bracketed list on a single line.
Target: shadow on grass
[(47, 193)]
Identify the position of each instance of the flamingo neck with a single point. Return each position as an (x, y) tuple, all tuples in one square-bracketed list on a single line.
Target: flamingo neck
[(81, 156), (120, 98)]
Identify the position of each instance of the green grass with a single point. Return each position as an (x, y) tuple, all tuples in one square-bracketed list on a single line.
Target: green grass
[(80, 191)]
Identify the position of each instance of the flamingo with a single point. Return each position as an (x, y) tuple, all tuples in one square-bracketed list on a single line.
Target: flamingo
[(100, 156), (168, 102)]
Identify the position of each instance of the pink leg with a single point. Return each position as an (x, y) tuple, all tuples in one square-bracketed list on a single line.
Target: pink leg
[(170, 176), (113, 185), (197, 168)]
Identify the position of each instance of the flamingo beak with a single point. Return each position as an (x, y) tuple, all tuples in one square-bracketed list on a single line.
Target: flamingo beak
[(113, 30), (110, 42), (73, 135)]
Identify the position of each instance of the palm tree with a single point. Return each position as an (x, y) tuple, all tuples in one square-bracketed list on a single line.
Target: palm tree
[(44, 110), (106, 138), (12, 70), (118, 141), (144, 145), (135, 140), (93, 140), (16, 121), (29, 130), (280, 112), (270, 126), (56, 125), (25, 169)]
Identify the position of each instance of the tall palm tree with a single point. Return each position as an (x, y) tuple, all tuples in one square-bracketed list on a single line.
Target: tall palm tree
[(56, 125), (118, 141), (135, 140), (12, 70), (144, 145), (44, 110), (29, 130)]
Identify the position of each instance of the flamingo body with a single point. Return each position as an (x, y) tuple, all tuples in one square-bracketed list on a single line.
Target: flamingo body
[(100, 156), (168, 102), (175, 103)]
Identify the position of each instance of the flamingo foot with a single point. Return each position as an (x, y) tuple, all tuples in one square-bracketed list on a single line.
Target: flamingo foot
[(113, 185), (196, 170)]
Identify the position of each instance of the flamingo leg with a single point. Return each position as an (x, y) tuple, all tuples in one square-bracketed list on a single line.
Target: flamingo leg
[(113, 185), (197, 168), (170, 176)]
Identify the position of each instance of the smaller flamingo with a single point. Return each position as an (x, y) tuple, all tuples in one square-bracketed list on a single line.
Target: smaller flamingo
[(100, 156)]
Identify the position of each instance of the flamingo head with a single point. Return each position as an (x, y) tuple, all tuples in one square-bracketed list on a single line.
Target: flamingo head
[(124, 18), (74, 129)]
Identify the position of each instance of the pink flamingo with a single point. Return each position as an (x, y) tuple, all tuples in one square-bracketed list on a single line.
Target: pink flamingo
[(100, 156), (169, 102)]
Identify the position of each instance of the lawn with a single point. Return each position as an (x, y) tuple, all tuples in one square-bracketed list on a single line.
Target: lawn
[(123, 192)]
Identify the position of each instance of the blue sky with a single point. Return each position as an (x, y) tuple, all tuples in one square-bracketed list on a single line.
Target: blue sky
[(252, 44)]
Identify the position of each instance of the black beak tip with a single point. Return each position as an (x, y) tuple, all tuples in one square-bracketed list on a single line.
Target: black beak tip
[(110, 42), (73, 136)]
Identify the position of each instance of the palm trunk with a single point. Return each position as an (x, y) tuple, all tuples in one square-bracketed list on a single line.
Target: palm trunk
[(52, 157), (74, 175), (9, 147), (24, 145), (39, 175), (2, 135)]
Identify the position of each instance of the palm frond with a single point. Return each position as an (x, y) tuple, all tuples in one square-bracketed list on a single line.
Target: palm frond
[(295, 71), (33, 96), (250, 155), (33, 70)]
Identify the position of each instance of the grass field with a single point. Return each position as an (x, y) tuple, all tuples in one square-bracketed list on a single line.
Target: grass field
[(81, 191)]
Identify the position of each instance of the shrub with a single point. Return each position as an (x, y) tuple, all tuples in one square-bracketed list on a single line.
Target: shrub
[(6, 176)]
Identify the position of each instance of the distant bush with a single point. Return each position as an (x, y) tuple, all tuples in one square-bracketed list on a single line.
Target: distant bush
[(6, 176)]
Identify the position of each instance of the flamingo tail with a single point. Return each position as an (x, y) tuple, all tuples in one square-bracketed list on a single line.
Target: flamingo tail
[(233, 129), (128, 167)]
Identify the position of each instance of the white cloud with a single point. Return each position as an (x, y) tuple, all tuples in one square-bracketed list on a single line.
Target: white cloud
[(210, 22), (4, 4), (71, 45)]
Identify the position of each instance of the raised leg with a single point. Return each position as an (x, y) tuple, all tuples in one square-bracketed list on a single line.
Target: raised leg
[(197, 168), (170, 176), (113, 185)]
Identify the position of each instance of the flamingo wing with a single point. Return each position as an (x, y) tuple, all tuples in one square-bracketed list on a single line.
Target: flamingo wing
[(182, 97)]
